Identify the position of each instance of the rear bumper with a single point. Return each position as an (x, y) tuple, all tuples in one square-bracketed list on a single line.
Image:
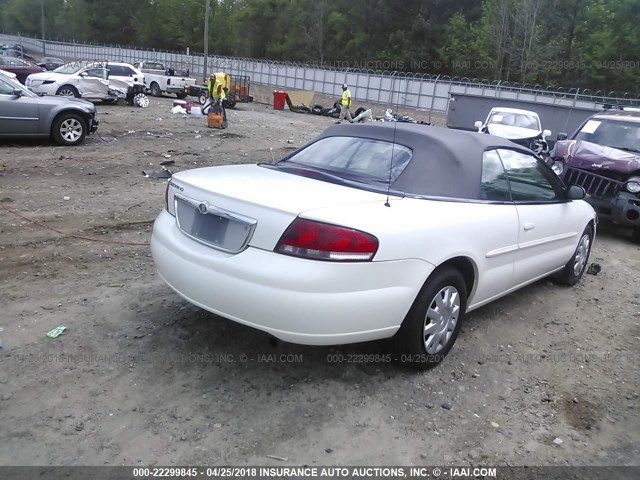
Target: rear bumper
[(297, 300), (623, 209)]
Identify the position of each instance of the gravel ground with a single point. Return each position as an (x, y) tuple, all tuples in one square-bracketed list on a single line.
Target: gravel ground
[(546, 376)]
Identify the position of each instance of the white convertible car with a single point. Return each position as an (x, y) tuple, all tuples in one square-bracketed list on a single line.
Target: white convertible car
[(520, 126), (88, 80), (371, 231)]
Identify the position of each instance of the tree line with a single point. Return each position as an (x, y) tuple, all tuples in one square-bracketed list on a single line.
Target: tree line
[(591, 44)]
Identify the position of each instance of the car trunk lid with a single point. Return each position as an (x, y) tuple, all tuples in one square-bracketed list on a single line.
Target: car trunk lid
[(231, 206)]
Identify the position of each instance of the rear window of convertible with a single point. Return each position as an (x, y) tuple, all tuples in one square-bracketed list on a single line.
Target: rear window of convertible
[(354, 158)]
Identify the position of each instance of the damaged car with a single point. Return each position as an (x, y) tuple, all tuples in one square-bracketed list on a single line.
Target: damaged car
[(520, 126), (23, 114), (105, 81), (603, 157)]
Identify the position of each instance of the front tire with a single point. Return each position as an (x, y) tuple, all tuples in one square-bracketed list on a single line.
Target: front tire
[(433, 323), (68, 91), (69, 129), (575, 267)]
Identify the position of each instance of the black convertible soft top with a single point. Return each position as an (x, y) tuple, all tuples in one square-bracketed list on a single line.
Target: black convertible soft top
[(445, 163)]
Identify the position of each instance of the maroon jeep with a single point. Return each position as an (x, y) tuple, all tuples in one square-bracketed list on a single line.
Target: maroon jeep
[(603, 157)]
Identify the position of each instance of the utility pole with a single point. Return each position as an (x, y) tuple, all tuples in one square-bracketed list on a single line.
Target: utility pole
[(206, 37), (44, 46)]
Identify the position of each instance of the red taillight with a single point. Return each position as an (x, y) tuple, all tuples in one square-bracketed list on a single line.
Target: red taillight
[(322, 241)]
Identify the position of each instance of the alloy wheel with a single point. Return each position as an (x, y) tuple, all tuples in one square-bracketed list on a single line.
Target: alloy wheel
[(71, 130)]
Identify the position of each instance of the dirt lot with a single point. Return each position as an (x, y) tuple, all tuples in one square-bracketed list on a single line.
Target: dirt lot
[(547, 376)]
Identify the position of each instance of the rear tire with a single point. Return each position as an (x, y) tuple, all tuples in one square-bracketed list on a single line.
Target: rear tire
[(155, 90), (202, 98), (69, 129), (68, 91), (433, 323), (576, 266)]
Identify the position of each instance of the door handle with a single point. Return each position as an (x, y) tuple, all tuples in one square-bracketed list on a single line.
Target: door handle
[(529, 226)]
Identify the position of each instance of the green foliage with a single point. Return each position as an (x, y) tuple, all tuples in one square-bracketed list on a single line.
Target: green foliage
[(583, 43)]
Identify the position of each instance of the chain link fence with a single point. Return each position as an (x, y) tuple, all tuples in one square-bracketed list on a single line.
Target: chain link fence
[(413, 90)]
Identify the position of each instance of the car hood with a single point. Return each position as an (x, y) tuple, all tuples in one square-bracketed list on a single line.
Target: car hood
[(76, 102), (510, 132), (48, 76), (591, 156)]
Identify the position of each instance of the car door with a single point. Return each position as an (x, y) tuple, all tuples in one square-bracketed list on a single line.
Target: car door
[(93, 82), (500, 244), (19, 115), (548, 231)]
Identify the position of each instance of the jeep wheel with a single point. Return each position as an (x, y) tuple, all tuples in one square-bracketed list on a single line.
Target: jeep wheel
[(69, 129), (202, 98)]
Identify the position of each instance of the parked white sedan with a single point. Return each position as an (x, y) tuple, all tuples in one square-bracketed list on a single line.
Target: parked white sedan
[(371, 231), (89, 80)]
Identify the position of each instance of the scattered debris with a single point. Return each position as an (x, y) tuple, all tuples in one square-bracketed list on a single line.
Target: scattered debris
[(179, 109), (275, 457), (594, 269), (558, 441), (157, 173), (56, 332), (167, 162), (66, 198), (495, 424)]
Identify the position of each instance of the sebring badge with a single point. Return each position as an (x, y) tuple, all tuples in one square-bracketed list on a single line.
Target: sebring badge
[(202, 208)]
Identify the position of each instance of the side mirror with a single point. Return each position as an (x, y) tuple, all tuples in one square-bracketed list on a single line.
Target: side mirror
[(575, 192), (83, 74), (562, 136), (478, 124), (17, 92), (546, 133)]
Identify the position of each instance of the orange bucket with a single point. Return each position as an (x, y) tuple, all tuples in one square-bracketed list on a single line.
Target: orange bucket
[(214, 120)]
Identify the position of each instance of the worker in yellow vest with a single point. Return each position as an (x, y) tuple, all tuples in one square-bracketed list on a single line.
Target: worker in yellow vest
[(345, 104), (218, 86)]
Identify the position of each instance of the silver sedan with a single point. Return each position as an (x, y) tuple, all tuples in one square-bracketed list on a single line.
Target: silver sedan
[(24, 114)]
